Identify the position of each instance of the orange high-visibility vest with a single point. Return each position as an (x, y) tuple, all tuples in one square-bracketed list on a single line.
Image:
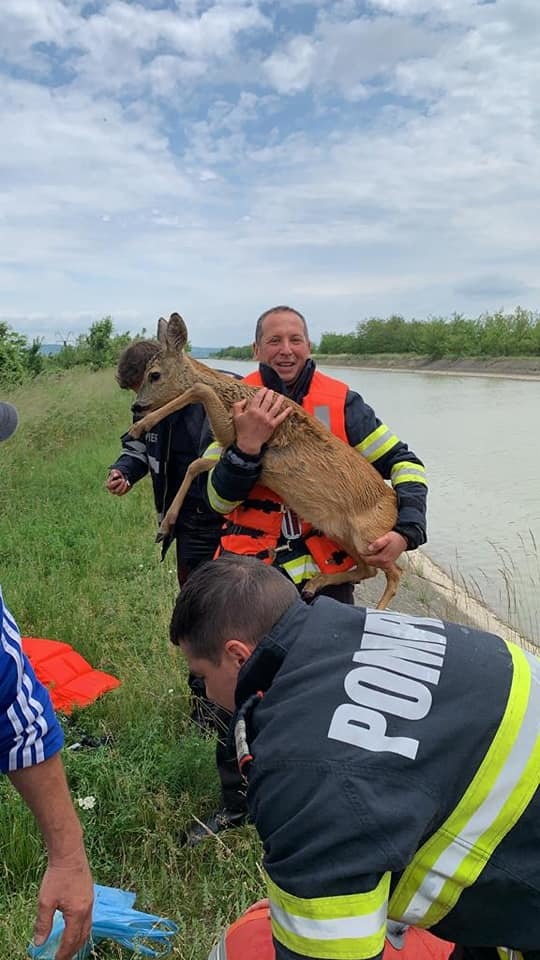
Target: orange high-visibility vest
[(254, 527)]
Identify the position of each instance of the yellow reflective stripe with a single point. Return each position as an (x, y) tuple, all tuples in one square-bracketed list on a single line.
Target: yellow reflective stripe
[(453, 858), (408, 472), (349, 927), (507, 954), (377, 443), (301, 568), (213, 452), (216, 502)]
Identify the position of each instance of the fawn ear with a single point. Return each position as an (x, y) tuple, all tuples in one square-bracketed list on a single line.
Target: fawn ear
[(162, 330), (177, 335)]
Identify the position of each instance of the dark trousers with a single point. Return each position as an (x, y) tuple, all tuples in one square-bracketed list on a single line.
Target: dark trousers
[(193, 547), (208, 716), (344, 592)]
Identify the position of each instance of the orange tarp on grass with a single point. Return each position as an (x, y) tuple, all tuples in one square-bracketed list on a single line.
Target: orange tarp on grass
[(69, 678)]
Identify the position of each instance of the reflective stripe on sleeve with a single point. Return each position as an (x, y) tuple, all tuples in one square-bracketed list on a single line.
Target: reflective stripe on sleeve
[(219, 504), (408, 472), (213, 451), (504, 784), (301, 568), (350, 927), (377, 443)]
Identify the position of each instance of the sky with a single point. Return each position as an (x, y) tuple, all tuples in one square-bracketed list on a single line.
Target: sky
[(346, 157)]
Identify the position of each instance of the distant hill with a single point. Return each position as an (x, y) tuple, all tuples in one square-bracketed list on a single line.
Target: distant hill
[(198, 352)]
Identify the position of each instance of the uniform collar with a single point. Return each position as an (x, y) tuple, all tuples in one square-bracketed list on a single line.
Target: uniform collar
[(298, 389), (267, 658)]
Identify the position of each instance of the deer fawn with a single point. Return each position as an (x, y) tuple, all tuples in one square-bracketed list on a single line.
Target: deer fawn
[(327, 483)]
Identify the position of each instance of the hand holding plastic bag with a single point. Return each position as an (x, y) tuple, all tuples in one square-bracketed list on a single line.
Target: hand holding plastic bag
[(114, 918)]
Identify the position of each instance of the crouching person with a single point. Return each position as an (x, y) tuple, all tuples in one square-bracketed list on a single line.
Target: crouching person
[(393, 765)]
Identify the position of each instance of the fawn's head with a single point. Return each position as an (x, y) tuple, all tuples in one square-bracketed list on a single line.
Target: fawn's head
[(170, 372)]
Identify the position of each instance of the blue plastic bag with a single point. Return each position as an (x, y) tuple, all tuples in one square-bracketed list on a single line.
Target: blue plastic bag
[(113, 918)]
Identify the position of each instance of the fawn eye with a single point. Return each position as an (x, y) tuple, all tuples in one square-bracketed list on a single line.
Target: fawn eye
[(154, 376)]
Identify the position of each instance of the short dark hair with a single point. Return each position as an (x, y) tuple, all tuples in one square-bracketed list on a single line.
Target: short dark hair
[(280, 309), (229, 598), (133, 361)]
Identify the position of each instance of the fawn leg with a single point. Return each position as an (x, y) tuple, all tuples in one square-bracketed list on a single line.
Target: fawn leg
[(218, 415), (354, 575), (362, 571), (196, 467)]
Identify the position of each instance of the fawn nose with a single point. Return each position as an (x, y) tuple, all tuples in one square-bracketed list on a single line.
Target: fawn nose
[(137, 410)]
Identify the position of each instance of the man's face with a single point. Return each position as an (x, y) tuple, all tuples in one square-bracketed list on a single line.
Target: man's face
[(219, 678), (284, 345)]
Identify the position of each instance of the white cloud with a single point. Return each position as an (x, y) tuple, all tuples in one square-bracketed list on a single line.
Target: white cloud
[(342, 55), (223, 156)]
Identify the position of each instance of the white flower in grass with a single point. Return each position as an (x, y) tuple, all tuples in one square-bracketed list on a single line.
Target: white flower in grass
[(86, 803)]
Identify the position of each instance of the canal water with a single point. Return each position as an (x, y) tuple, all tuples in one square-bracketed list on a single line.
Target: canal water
[(479, 439)]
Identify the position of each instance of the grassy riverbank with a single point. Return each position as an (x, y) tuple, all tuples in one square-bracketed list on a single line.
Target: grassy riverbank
[(79, 565)]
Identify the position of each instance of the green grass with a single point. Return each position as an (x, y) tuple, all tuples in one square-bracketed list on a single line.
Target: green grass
[(79, 565)]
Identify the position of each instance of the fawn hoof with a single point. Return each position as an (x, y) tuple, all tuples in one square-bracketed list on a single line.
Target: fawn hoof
[(165, 541)]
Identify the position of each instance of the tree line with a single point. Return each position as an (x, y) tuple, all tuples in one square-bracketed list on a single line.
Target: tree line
[(497, 334), (21, 360)]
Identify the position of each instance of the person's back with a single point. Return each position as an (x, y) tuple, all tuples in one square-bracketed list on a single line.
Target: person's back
[(393, 764), (419, 737)]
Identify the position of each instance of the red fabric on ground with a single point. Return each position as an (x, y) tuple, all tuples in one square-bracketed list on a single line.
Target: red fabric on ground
[(69, 678)]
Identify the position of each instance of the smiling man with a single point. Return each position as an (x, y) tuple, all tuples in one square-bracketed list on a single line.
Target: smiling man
[(283, 349)]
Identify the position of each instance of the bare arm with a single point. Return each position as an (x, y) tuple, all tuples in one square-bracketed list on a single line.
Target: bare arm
[(67, 882)]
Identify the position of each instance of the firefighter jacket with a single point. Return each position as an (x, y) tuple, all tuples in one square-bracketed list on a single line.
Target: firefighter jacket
[(259, 522), (393, 766), (166, 453)]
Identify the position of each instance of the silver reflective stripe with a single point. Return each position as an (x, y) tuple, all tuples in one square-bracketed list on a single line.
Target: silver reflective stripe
[(219, 952), (302, 568), (508, 779), (153, 464), (342, 928), (322, 413), (136, 449), (383, 440), (213, 452), (216, 502), (408, 472)]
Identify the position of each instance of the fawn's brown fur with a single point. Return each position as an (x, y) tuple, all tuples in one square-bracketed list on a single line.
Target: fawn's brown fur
[(325, 481)]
